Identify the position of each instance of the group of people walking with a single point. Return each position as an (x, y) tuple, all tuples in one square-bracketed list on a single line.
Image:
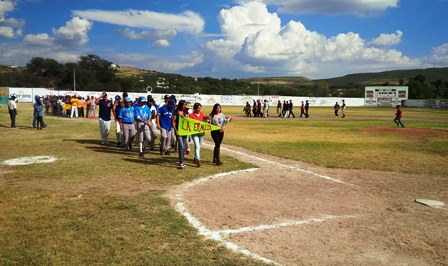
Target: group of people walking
[(141, 119), (284, 110)]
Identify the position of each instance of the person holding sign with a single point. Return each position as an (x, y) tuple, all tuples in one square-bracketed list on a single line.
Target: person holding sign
[(199, 137), (181, 140), (219, 119)]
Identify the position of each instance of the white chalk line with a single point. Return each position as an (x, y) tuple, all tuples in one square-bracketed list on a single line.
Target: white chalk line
[(287, 166), (319, 219), (215, 235), (221, 234)]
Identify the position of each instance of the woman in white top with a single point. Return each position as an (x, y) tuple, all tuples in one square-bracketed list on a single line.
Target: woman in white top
[(219, 119)]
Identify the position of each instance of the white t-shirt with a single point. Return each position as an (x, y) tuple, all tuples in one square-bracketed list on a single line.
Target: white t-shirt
[(12, 105)]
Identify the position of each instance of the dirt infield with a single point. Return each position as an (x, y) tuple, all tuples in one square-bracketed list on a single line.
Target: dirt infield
[(291, 213)]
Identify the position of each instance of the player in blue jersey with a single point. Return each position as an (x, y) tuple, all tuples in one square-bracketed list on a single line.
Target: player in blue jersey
[(164, 124), (143, 119), (127, 122)]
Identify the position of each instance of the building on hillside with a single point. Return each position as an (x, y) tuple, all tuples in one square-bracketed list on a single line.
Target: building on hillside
[(385, 95), (161, 83)]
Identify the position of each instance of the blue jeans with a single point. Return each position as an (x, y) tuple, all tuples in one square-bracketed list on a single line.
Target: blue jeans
[(181, 140), (197, 140)]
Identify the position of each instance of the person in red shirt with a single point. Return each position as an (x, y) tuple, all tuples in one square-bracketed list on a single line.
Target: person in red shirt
[(398, 116), (198, 138)]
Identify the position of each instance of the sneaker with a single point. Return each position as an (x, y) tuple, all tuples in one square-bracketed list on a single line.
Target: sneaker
[(181, 166), (141, 154), (198, 163)]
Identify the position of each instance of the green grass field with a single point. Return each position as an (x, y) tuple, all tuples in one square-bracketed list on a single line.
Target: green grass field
[(101, 205)]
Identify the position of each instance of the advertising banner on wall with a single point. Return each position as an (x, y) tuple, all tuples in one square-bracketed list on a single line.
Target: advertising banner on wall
[(28, 94)]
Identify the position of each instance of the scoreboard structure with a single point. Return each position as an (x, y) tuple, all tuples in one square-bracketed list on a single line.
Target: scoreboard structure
[(385, 95)]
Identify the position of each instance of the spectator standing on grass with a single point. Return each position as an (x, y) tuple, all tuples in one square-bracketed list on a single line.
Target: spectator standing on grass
[(92, 107), (199, 138), (38, 116), (336, 109), (246, 109), (291, 106), (80, 106), (12, 109), (104, 118), (39, 113), (143, 119), (254, 108), (265, 108), (279, 108), (218, 118), (74, 107), (343, 108), (165, 125), (181, 140), (398, 116), (127, 122), (307, 107), (37, 99), (302, 109)]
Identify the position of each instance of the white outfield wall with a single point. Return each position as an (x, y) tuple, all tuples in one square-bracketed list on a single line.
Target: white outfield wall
[(28, 94)]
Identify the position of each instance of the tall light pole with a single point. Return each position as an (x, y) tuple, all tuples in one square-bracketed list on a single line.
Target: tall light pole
[(74, 80)]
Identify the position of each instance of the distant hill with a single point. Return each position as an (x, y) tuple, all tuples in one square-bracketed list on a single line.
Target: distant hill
[(391, 77), (281, 81)]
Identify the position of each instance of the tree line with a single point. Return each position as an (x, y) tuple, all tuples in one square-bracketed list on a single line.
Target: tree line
[(93, 73)]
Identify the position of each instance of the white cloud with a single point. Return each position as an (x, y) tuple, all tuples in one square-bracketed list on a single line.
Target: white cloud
[(255, 41), (41, 39), (387, 40), (147, 61), (21, 54), (9, 27), (159, 34), (161, 43), (187, 21), (358, 7), (438, 57), (74, 33), (5, 7)]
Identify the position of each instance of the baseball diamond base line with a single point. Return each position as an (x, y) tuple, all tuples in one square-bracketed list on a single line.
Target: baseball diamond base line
[(221, 234)]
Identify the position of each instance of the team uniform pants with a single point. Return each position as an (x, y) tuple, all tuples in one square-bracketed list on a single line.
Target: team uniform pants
[(118, 132), (165, 140), (129, 134), (104, 130), (144, 134)]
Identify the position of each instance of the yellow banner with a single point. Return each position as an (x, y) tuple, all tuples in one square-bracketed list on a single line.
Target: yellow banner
[(189, 126)]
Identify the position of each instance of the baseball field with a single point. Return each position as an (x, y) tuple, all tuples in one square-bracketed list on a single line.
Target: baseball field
[(292, 191)]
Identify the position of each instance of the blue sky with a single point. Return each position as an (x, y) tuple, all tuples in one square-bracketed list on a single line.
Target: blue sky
[(231, 39)]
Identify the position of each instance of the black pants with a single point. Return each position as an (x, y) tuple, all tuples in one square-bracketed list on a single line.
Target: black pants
[(217, 137), (12, 115)]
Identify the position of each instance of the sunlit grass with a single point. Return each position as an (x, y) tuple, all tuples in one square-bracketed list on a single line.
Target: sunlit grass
[(101, 205)]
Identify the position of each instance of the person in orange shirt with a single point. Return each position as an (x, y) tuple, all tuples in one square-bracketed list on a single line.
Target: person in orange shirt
[(80, 106)]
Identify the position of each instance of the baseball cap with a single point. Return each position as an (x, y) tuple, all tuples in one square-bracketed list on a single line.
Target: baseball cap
[(128, 100), (142, 98), (172, 102), (117, 97)]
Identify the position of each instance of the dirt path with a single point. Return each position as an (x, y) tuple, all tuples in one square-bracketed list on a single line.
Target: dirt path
[(292, 213)]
